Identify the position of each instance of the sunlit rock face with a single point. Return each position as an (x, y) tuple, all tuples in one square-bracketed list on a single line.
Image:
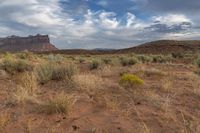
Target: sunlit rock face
[(30, 43)]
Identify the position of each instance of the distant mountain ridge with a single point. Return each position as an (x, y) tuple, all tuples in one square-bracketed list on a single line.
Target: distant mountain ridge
[(164, 47), (154, 47), (30, 43)]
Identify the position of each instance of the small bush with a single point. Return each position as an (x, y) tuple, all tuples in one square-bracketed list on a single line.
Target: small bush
[(27, 88), (160, 59), (70, 71), (63, 72), (24, 55), (44, 73), (177, 55), (94, 64), (61, 104), (81, 60), (128, 61), (145, 58), (12, 67), (49, 72), (55, 58), (130, 80), (197, 62), (197, 72), (107, 61)]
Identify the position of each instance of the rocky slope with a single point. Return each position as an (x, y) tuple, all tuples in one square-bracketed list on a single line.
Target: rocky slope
[(30, 43), (164, 47)]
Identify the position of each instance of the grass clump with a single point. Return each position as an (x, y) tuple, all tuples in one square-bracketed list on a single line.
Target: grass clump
[(197, 72), (4, 120), (178, 55), (63, 72), (160, 59), (11, 66), (197, 62), (144, 58), (49, 72), (44, 73), (94, 64), (107, 61), (27, 88), (130, 80), (128, 61), (81, 60), (61, 104)]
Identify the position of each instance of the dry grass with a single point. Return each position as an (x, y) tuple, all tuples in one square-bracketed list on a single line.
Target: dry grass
[(89, 82), (61, 104), (112, 103), (27, 89), (4, 120), (167, 85), (153, 72)]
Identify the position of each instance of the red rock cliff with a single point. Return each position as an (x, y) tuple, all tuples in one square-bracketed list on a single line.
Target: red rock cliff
[(30, 43)]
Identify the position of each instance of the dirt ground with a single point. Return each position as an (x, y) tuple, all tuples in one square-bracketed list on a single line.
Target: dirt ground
[(167, 102)]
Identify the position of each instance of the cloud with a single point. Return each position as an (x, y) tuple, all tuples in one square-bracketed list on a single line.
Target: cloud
[(117, 24)]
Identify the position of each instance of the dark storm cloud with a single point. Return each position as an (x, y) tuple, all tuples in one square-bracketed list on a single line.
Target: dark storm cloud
[(164, 28)]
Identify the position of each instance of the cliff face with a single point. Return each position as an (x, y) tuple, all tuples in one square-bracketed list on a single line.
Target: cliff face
[(30, 43)]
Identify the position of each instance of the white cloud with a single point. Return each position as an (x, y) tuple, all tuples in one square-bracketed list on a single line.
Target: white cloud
[(171, 19), (103, 3), (95, 29)]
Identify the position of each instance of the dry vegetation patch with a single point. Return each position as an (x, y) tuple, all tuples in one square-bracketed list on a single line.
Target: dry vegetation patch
[(61, 104)]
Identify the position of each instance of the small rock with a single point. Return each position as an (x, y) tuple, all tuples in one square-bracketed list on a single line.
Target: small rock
[(75, 127)]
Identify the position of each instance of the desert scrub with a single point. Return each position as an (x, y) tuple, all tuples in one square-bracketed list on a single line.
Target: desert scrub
[(130, 80), (14, 66), (88, 81), (25, 55), (55, 58), (4, 120), (44, 73), (197, 62), (197, 72), (63, 72), (61, 104), (81, 60), (125, 61), (178, 55), (161, 59), (94, 64), (144, 58), (27, 88), (47, 72), (107, 60)]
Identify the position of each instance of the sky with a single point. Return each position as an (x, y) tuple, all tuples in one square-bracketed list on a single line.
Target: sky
[(92, 24)]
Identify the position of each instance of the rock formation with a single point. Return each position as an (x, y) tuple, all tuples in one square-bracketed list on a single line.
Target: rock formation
[(30, 43)]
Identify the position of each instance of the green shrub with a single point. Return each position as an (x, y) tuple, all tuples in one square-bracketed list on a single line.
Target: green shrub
[(11, 66), (125, 61), (107, 61), (94, 64), (145, 58), (161, 59), (49, 72), (197, 62), (61, 104), (81, 60), (44, 73), (130, 80), (197, 72), (70, 71), (55, 58), (177, 55), (24, 55)]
